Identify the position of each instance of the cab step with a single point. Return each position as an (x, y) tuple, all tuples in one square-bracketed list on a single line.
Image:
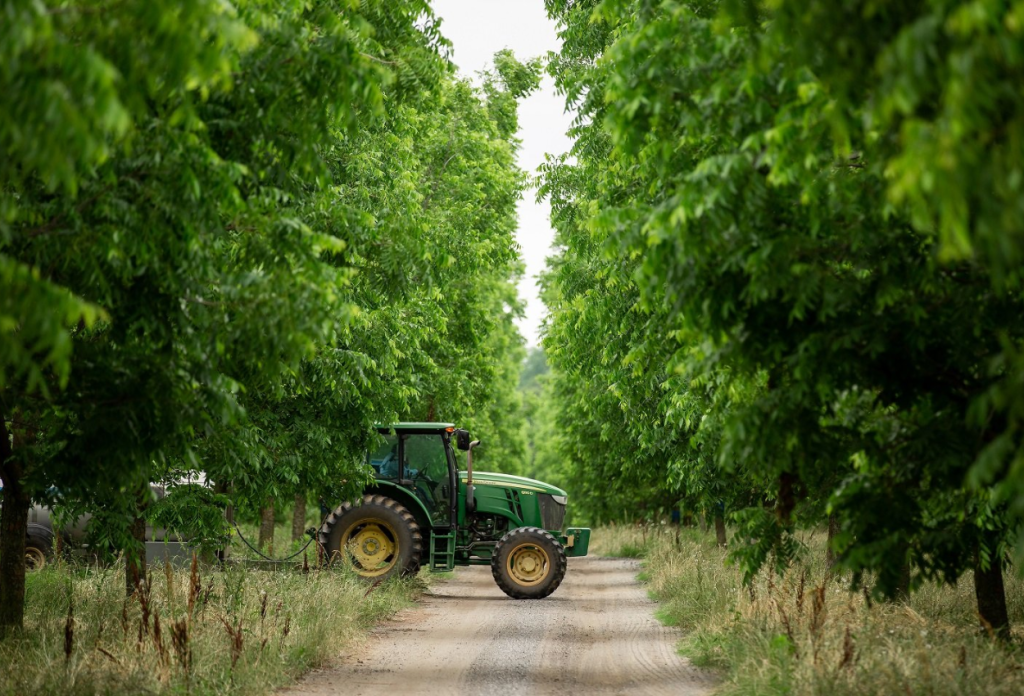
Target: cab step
[(442, 551)]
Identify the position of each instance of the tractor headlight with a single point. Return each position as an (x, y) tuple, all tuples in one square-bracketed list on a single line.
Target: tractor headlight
[(560, 499)]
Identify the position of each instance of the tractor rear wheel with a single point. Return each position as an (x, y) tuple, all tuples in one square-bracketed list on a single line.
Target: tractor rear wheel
[(528, 563), (377, 536)]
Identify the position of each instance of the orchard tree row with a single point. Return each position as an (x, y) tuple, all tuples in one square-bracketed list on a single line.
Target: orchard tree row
[(233, 238), (788, 287)]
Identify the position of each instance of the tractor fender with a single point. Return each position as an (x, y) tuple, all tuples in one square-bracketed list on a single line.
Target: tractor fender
[(403, 496), (40, 532)]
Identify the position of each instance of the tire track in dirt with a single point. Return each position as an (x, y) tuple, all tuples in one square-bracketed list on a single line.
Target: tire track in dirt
[(596, 635)]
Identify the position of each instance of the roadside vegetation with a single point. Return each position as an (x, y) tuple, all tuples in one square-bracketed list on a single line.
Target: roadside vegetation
[(248, 628), (788, 284), (809, 632)]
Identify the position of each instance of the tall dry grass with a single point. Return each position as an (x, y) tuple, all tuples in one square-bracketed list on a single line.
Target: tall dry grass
[(804, 633), (197, 631)]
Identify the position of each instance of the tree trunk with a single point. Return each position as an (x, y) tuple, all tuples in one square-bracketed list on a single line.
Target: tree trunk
[(135, 554), (229, 514), (902, 593), (991, 594), (229, 511), (13, 530), (266, 542), (299, 517), (720, 529), (830, 554), (786, 502)]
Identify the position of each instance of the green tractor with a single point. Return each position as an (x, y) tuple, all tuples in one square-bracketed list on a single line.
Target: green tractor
[(409, 517)]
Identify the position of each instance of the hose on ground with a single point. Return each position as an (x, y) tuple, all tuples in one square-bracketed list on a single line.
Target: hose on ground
[(312, 537)]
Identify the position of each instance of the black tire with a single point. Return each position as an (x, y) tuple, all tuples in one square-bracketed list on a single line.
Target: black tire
[(528, 563), (380, 537), (38, 551)]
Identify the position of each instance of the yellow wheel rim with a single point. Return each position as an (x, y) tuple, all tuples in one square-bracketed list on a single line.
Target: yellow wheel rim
[(372, 546), (528, 564), (35, 559)]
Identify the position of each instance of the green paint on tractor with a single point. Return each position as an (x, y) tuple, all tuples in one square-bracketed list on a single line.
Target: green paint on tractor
[(408, 517)]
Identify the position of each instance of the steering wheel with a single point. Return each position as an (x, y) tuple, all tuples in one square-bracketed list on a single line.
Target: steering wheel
[(437, 490)]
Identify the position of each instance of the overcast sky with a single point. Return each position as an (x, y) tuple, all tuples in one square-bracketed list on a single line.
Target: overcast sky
[(478, 29)]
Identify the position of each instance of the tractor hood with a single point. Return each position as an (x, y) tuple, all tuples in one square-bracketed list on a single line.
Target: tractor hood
[(483, 478)]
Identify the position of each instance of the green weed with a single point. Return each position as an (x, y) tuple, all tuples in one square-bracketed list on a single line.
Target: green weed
[(620, 541), (631, 551)]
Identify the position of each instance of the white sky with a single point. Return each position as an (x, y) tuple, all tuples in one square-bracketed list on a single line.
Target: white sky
[(478, 29)]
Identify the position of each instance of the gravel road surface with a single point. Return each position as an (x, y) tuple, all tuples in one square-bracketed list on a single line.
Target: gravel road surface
[(595, 635)]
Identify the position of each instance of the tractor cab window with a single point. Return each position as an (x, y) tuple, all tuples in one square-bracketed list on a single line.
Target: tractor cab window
[(426, 464), (384, 459)]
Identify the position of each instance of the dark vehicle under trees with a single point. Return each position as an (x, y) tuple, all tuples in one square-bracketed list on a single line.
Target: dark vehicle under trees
[(41, 538)]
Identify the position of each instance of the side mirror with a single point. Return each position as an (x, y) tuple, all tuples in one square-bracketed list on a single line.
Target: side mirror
[(462, 439)]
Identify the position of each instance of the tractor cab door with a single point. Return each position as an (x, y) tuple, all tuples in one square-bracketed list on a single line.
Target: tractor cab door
[(425, 463), (384, 459)]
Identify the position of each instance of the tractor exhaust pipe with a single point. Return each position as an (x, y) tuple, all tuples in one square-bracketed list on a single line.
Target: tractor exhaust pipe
[(470, 501)]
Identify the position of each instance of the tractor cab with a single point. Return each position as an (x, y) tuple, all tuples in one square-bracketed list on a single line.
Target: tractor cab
[(421, 509), (421, 461)]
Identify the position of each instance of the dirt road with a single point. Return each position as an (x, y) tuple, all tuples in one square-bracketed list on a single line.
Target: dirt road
[(595, 635)]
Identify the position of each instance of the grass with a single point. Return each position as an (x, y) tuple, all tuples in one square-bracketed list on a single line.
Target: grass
[(196, 631), (805, 634)]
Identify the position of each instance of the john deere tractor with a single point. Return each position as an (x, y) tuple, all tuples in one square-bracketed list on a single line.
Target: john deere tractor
[(421, 509)]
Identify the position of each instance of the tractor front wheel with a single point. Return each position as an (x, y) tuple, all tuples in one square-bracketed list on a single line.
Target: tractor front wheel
[(377, 536), (528, 563)]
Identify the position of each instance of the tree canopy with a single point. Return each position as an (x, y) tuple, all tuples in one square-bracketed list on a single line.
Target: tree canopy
[(235, 237), (779, 289)]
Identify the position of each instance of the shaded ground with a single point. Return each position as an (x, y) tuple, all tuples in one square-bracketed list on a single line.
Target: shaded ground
[(596, 635)]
